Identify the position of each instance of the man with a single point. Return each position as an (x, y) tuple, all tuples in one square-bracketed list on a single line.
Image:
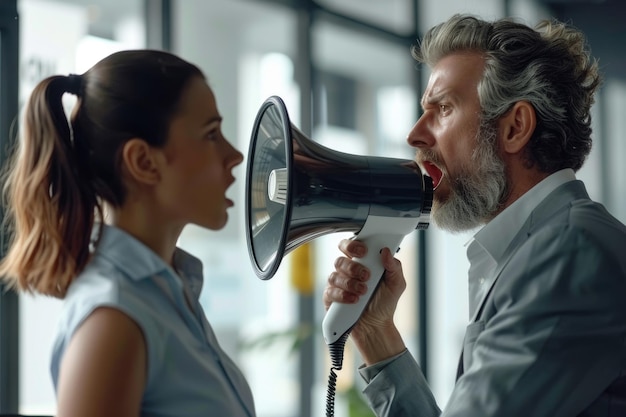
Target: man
[(505, 126)]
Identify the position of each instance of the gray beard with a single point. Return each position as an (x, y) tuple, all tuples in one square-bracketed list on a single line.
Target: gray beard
[(479, 189)]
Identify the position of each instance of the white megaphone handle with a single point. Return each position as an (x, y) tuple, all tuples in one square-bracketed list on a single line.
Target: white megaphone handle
[(377, 233)]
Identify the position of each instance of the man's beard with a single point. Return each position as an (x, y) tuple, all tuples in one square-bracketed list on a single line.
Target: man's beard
[(478, 189)]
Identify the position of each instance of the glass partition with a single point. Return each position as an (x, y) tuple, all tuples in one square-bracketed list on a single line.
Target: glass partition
[(365, 103), (394, 15), (247, 51)]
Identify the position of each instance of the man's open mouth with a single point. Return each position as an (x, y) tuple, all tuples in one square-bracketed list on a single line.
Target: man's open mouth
[(433, 172)]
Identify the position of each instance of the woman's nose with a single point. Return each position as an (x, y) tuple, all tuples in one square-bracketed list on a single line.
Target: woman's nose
[(234, 156), (237, 158)]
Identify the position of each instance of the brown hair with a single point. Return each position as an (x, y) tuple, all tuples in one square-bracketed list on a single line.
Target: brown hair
[(61, 174)]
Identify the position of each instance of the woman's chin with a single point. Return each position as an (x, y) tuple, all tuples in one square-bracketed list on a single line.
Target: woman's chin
[(215, 223)]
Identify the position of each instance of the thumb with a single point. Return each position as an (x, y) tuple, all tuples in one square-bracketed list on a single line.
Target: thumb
[(394, 277)]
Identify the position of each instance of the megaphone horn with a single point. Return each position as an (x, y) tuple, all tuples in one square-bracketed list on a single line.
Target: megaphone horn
[(298, 190)]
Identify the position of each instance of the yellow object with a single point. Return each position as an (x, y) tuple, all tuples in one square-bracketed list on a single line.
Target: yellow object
[(302, 269)]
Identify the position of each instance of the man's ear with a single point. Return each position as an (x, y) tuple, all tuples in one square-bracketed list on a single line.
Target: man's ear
[(139, 161), (516, 127)]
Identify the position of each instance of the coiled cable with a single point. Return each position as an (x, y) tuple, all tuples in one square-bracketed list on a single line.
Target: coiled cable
[(336, 356)]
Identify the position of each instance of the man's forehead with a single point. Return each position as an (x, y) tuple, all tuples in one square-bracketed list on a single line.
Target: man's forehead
[(435, 93), (453, 72)]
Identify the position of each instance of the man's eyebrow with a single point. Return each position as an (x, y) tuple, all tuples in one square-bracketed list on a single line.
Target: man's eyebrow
[(432, 99), (437, 97)]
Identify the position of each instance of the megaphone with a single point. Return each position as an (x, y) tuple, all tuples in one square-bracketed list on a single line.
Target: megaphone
[(298, 190)]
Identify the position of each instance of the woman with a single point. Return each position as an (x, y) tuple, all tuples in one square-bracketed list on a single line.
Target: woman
[(143, 151)]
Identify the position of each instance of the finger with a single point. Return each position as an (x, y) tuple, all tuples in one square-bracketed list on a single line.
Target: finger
[(391, 264), (352, 269), (334, 294), (353, 248), (394, 276), (346, 283)]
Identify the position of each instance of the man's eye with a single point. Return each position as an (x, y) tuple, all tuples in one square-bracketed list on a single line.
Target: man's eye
[(444, 108)]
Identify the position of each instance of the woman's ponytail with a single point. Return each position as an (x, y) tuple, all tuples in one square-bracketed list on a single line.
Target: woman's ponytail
[(51, 204)]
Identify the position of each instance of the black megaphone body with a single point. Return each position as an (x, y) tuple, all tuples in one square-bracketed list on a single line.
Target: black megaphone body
[(298, 190)]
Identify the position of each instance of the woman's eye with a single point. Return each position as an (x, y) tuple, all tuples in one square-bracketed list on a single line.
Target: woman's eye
[(213, 134)]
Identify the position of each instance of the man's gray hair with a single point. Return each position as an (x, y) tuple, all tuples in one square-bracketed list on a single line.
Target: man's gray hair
[(548, 66)]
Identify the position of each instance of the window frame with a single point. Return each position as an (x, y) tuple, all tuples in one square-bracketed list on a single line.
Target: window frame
[(9, 307)]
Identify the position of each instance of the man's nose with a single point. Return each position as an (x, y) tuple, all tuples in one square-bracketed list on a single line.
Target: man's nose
[(420, 135)]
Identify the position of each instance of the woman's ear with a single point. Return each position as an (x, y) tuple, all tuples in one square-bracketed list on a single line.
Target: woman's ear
[(517, 127), (139, 162)]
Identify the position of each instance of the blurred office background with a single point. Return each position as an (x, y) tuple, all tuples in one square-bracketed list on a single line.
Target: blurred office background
[(344, 70)]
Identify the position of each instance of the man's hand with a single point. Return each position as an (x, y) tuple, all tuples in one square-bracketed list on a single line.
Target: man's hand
[(375, 333)]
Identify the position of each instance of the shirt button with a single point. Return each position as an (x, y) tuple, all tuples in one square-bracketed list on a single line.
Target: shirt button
[(481, 280)]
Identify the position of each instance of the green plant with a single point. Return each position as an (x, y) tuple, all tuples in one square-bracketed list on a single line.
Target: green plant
[(295, 336)]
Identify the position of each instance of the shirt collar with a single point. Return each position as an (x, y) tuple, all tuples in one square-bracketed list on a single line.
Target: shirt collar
[(496, 235), (115, 245)]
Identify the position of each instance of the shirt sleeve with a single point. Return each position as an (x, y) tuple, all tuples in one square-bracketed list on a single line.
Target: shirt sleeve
[(369, 372), (397, 387)]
